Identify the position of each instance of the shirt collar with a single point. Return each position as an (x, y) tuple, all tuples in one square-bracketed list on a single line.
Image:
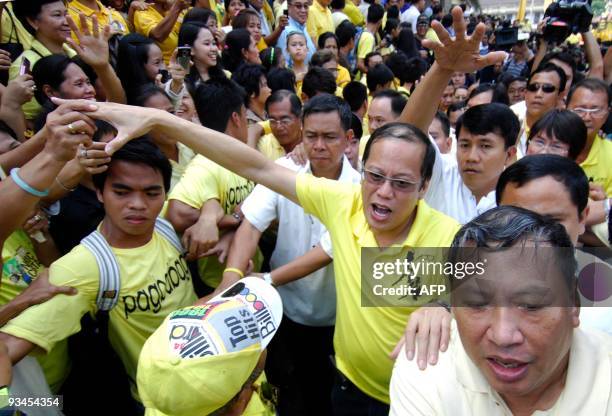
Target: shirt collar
[(316, 4), (81, 8), (594, 152)]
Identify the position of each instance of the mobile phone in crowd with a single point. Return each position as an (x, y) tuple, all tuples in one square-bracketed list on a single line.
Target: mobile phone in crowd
[(286, 12), (183, 57), (25, 66)]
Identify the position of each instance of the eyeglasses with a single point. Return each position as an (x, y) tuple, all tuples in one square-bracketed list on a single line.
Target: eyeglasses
[(594, 112), (542, 145), (397, 184), (546, 88), (284, 121)]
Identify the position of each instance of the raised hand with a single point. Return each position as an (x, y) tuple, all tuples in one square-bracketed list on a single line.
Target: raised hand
[(92, 46), (19, 90), (460, 53), (67, 128)]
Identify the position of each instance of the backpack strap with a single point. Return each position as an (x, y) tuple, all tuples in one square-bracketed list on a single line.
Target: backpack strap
[(110, 282), (166, 229)]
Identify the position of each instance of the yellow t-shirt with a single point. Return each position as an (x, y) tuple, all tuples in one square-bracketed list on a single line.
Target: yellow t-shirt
[(185, 156), (261, 45), (13, 30), (367, 42), (20, 268), (319, 21), (37, 50), (204, 180), (146, 20), (364, 359), (155, 281), (343, 77), (270, 147), (598, 164), (353, 13), (105, 16)]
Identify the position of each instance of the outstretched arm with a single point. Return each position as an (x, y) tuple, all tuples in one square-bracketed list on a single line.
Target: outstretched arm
[(452, 54), (228, 152)]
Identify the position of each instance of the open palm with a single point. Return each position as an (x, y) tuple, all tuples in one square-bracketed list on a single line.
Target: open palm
[(92, 46)]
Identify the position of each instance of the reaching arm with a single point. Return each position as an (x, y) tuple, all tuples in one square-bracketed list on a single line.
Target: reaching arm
[(300, 267), (204, 233), (160, 32), (17, 347), (593, 55), (18, 92), (181, 215), (222, 149), (243, 248), (458, 54)]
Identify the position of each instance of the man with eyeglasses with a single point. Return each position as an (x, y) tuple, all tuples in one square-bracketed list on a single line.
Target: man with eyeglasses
[(298, 15), (284, 109), (302, 370), (544, 88), (590, 99)]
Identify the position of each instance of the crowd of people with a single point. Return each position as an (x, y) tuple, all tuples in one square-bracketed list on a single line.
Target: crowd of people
[(192, 192)]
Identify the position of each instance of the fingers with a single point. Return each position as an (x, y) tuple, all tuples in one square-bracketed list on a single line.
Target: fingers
[(491, 58), (446, 329), (422, 341), (223, 254), (410, 334), (478, 33), (117, 143), (84, 26), (442, 33), (66, 106), (398, 348), (173, 57), (435, 333), (65, 290), (95, 27), (74, 28), (458, 23)]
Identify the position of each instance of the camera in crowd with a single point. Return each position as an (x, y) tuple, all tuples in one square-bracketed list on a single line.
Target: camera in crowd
[(505, 36), (566, 17)]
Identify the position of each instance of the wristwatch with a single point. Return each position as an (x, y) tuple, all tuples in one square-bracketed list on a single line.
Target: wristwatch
[(267, 277), (237, 217)]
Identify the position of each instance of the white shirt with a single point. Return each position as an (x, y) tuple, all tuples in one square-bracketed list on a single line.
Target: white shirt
[(455, 386), (520, 109), (411, 15), (447, 192), (338, 17), (312, 300)]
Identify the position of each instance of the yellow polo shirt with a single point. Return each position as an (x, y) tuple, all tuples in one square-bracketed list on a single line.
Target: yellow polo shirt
[(353, 13), (146, 20), (13, 30), (105, 16), (319, 21), (364, 336), (455, 386), (270, 147), (598, 164), (343, 77), (32, 108)]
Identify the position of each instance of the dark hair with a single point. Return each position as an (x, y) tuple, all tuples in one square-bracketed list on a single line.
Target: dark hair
[(356, 126), (491, 118), (391, 24), (216, 100), (550, 67), (49, 71), (102, 129), (133, 54), (235, 42), (321, 57), (142, 151), (409, 133), (506, 226), (564, 57), (147, 91), (512, 78), (345, 32), (499, 94), (318, 80), (338, 4), (281, 95), (406, 43), (375, 13), (241, 20), (593, 85), (324, 37), (560, 168), (24, 9), (456, 106), (406, 70), (366, 59), (565, 126), (198, 15), (281, 79), (270, 57), (379, 76), (187, 36), (248, 76), (393, 13), (328, 103), (355, 94), (398, 101), (444, 121), (226, 4)]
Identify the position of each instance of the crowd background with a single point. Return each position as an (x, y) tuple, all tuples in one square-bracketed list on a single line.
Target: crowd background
[(257, 71)]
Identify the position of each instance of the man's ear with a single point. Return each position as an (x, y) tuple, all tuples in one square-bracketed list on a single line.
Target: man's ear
[(510, 156), (236, 120), (350, 134), (99, 196), (49, 92), (32, 22)]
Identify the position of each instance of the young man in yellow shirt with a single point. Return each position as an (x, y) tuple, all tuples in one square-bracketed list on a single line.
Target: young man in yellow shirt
[(153, 278), (386, 210), (319, 19)]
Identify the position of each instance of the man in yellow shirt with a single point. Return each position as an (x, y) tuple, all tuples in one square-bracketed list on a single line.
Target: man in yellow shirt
[(105, 16), (161, 22), (369, 39), (152, 278), (319, 19), (513, 351), (284, 109), (386, 210), (204, 201), (590, 99)]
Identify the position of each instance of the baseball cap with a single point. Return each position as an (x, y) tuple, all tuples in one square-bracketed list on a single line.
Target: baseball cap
[(423, 19), (201, 356)]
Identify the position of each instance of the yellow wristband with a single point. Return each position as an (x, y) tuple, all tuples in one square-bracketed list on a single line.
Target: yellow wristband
[(235, 270)]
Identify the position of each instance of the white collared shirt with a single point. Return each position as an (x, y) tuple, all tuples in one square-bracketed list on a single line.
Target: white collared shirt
[(312, 300), (455, 386)]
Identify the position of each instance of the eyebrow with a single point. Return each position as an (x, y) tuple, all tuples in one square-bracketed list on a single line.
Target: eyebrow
[(121, 186)]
